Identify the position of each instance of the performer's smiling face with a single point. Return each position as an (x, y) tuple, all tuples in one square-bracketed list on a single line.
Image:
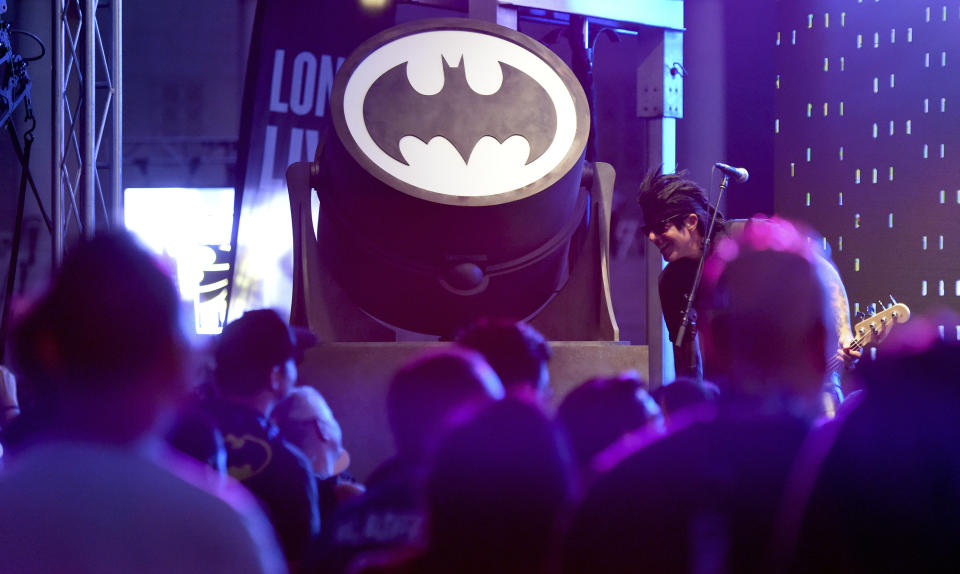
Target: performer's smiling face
[(676, 237)]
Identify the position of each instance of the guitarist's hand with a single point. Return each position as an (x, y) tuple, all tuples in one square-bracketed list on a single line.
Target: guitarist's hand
[(848, 353)]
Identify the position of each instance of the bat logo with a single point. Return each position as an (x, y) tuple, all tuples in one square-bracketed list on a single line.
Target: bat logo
[(403, 108), (393, 109)]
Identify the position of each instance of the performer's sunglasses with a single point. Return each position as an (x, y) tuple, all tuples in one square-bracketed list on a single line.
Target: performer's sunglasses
[(659, 227)]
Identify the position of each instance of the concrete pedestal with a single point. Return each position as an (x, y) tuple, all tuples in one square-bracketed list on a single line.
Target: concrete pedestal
[(354, 378)]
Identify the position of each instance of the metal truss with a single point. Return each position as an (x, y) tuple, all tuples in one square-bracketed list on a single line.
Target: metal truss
[(87, 167)]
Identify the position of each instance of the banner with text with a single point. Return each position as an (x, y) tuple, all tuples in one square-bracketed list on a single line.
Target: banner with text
[(297, 47)]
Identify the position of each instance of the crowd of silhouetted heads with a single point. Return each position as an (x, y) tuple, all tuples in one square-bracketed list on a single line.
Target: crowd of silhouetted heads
[(126, 448)]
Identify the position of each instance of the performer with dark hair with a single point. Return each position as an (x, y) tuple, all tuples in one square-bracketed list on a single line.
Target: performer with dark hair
[(677, 213)]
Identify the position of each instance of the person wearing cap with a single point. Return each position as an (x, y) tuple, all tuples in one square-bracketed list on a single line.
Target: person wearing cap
[(677, 214), (256, 366), (306, 420)]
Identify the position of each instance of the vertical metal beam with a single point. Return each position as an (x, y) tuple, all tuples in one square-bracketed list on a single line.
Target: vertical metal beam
[(88, 31), (56, 189), (659, 98), (116, 110), (661, 150)]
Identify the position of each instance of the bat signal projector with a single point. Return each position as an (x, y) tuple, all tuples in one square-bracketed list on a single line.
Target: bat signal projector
[(452, 187)]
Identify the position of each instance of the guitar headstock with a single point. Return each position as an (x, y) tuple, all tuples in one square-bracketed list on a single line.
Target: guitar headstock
[(876, 327)]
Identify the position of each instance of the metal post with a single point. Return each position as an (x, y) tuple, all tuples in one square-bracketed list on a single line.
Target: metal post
[(116, 111), (89, 126), (56, 191), (659, 99)]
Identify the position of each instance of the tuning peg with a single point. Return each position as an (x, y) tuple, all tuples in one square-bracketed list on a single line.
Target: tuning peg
[(892, 300), (880, 305), (872, 309)]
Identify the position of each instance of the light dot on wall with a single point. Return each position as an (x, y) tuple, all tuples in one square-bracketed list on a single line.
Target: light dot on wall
[(809, 156), (926, 60), (856, 176), (926, 105), (909, 34), (809, 20), (943, 105), (809, 110), (826, 20), (793, 37), (843, 19), (958, 295), (859, 41), (943, 151), (875, 131), (776, 126), (923, 289), (778, 38), (876, 85), (926, 151), (874, 175), (928, 13), (793, 169), (826, 64), (943, 59), (909, 127), (840, 199), (941, 243), (876, 39), (924, 242), (840, 243), (943, 196), (942, 290), (841, 153), (856, 264), (856, 221), (808, 199), (891, 173), (892, 81), (841, 108), (891, 127), (893, 35), (890, 220)]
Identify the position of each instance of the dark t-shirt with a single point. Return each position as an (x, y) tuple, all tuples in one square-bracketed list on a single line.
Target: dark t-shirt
[(273, 470), (675, 282), (389, 515)]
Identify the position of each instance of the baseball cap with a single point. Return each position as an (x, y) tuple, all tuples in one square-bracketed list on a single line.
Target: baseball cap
[(261, 338)]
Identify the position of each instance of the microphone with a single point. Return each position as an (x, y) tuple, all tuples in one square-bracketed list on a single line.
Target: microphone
[(738, 174)]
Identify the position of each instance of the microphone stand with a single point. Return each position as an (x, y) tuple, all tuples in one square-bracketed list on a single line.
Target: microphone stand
[(687, 322)]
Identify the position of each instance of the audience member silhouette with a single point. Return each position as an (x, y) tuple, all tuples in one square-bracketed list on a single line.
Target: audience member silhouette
[(683, 393), (878, 490), (705, 496), (256, 358), (423, 397), (600, 411), (95, 490), (498, 494), (516, 351), (306, 420)]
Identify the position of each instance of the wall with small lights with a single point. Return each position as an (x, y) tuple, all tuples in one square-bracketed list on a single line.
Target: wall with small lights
[(867, 142)]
